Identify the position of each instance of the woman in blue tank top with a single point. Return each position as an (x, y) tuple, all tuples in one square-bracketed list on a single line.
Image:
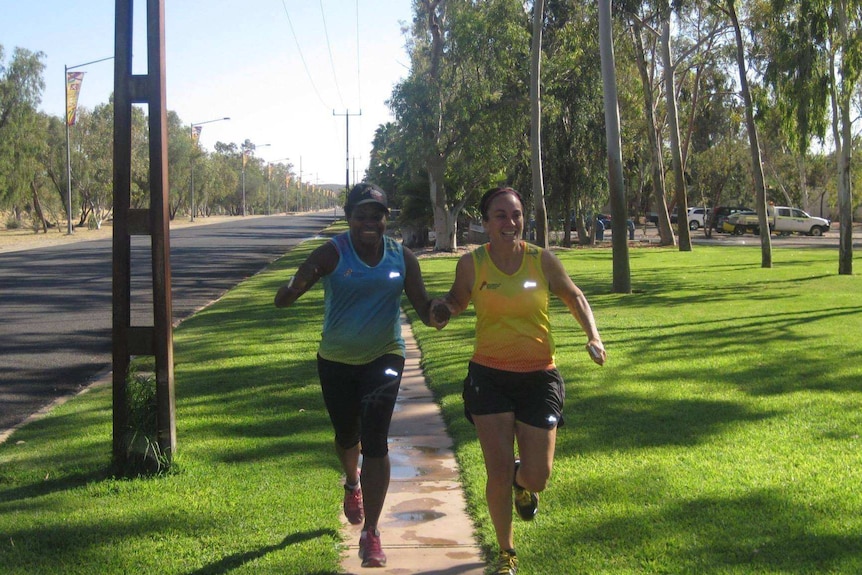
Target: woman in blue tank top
[(361, 355)]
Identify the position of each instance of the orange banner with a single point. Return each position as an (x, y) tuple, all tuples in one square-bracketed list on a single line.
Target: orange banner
[(73, 88)]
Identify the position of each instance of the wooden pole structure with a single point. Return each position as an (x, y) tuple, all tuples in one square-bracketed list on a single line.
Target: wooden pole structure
[(128, 340)]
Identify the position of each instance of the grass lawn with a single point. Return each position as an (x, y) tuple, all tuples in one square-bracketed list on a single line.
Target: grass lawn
[(722, 436)]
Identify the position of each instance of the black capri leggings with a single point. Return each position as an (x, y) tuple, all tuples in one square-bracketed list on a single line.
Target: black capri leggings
[(360, 400)]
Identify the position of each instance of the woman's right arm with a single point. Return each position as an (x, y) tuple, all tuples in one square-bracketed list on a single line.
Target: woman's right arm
[(322, 261)]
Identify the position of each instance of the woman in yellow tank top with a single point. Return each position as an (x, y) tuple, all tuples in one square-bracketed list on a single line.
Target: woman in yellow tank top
[(513, 391)]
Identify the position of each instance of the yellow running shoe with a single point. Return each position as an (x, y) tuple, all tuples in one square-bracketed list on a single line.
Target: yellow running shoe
[(526, 502), (507, 563)]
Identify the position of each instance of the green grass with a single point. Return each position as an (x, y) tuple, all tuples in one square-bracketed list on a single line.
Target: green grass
[(722, 436)]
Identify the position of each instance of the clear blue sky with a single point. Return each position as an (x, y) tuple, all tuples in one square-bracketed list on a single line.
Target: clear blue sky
[(242, 60)]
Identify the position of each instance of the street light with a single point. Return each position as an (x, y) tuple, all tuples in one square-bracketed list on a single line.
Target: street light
[(68, 145), (245, 150), (195, 138)]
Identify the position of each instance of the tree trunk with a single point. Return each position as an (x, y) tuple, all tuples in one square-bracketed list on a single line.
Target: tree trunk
[(657, 163), (676, 153), (845, 209), (444, 227), (536, 125), (756, 162), (622, 274), (37, 207)]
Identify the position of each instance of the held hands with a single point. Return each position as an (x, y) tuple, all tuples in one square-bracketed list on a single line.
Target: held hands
[(439, 313), (597, 352)]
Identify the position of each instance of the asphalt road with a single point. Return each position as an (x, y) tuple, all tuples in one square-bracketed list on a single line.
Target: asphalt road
[(55, 302)]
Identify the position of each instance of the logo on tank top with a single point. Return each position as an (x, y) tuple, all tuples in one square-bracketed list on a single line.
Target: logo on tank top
[(488, 286), (352, 273)]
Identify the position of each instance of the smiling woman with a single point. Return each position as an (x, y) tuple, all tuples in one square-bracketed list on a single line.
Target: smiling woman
[(361, 354), (513, 391)]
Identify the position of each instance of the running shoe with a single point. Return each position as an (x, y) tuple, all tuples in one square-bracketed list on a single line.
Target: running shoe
[(507, 563), (353, 508), (526, 502), (369, 549)]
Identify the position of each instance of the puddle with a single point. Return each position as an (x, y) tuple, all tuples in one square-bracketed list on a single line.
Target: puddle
[(419, 516), (402, 467), (405, 472)]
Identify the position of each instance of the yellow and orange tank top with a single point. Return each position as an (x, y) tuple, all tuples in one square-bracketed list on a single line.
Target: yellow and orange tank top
[(513, 329)]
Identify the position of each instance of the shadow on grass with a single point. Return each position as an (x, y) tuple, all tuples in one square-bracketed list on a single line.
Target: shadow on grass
[(613, 422), (237, 560), (37, 489), (761, 531)]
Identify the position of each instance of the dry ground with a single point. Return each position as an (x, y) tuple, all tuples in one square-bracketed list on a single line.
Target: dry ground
[(23, 239)]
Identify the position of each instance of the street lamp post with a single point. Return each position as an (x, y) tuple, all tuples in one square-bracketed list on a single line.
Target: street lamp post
[(192, 161), (244, 151), (68, 144)]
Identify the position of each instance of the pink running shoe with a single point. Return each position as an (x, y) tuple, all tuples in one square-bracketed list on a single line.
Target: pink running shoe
[(353, 508), (369, 549)]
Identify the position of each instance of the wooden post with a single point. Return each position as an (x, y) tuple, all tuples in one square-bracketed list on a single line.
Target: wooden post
[(128, 340)]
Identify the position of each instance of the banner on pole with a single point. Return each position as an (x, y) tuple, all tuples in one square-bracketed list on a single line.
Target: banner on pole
[(196, 134), (73, 88)]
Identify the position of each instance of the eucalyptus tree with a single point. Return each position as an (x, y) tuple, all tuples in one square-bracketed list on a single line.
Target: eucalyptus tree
[(92, 166), (541, 216), (180, 150), (26, 182), (728, 8), (52, 157), (797, 71), (468, 62), (226, 164), (574, 136), (21, 86), (621, 271), (816, 61), (846, 39), (645, 52), (681, 60)]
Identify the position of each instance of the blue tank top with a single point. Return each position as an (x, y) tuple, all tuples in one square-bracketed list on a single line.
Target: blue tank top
[(362, 305)]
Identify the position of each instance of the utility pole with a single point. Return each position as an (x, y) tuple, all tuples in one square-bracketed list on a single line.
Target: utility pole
[(347, 115)]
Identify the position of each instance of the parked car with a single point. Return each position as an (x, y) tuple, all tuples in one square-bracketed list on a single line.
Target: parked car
[(784, 220), (697, 217), (730, 222), (721, 213)]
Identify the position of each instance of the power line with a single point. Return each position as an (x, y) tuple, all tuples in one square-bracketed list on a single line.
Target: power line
[(329, 49), (301, 57), (358, 60)]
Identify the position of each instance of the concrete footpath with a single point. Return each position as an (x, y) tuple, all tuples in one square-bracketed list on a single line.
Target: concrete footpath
[(424, 528)]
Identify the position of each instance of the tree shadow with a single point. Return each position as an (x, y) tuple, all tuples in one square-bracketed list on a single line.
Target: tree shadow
[(237, 560)]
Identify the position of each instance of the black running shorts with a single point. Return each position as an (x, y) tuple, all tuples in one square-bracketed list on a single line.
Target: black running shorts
[(360, 400), (536, 397)]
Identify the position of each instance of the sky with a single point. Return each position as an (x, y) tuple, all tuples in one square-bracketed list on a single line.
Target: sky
[(308, 77)]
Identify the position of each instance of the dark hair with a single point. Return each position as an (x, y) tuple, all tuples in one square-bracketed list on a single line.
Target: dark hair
[(493, 193)]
